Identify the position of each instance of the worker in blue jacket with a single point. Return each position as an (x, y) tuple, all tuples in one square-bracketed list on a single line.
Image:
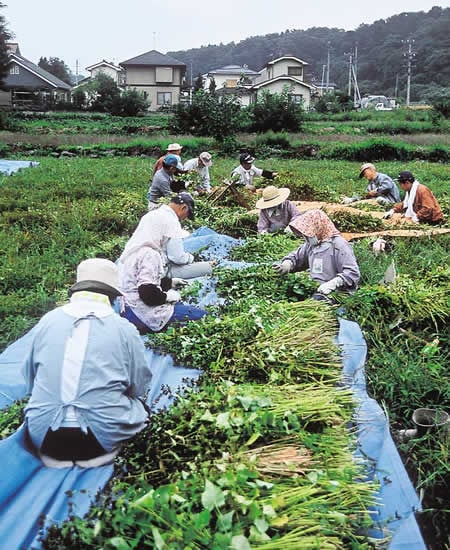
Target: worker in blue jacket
[(87, 373)]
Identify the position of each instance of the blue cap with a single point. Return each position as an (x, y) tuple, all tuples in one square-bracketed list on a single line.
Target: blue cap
[(171, 160)]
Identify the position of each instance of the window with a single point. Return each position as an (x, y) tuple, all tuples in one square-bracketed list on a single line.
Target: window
[(295, 71), (164, 74), (14, 70), (164, 98), (230, 83), (296, 98)]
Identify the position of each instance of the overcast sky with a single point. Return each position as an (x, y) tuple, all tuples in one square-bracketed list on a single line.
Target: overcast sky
[(83, 32)]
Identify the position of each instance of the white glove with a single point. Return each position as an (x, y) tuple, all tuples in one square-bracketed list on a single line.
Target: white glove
[(284, 268), (178, 283), (173, 296), (379, 246), (389, 214), (288, 230), (329, 286), (348, 200)]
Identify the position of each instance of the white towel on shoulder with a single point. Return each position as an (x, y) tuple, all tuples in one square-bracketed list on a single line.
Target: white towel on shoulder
[(408, 202)]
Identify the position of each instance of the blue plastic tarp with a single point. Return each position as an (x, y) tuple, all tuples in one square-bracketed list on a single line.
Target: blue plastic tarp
[(30, 490), (9, 167)]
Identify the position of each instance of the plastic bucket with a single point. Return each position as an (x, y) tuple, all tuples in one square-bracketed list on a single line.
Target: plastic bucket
[(429, 420)]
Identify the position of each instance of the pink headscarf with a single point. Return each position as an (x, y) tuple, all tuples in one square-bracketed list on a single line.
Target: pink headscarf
[(315, 223)]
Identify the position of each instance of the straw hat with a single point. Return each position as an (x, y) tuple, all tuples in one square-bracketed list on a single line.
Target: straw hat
[(97, 274), (272, 196)]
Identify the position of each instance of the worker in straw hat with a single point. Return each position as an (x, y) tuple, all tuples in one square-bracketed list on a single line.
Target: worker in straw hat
[(86, 370), (276, 211)]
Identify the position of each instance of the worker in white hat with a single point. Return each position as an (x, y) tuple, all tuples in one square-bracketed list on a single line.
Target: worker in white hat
[(86, 371), (276, 211), (201, 165), (172, 149)]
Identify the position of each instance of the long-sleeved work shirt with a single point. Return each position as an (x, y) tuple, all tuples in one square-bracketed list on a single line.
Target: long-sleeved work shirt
[(86, 367), (425, 206), (384, 187), (161, 185), (279, 217), (331, 258)]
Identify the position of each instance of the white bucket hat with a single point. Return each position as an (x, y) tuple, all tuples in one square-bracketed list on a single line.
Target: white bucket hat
[(272, 196), (97, 274), (174, 147), (206, 158)]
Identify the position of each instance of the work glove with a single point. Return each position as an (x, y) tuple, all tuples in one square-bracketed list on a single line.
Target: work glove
[(379, 246), (173, 296), (284, 268), (348, 200), (389, 214), (178, 283), (329, 286)]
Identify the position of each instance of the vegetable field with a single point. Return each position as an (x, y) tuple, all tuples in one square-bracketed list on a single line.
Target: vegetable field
[(258, 453)]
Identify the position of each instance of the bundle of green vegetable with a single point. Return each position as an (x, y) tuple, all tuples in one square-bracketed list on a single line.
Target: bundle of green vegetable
[(269, 342), (236, 466)]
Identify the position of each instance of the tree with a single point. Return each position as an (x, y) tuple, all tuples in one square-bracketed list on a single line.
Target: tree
[(101, 92), (276, 112), (208, 115), (56, 67), (198, 84), (212, 85), (5, 36)]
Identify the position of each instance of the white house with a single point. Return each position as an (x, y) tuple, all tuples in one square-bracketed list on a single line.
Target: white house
[(229, 76), (279, 74), (109, 69)]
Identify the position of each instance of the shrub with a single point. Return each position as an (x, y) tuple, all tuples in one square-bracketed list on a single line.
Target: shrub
[(276, 112), (207, 115)]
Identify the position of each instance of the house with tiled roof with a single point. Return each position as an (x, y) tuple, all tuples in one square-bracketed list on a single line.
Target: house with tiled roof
[(158, 76), (284, 73), (27, 85)]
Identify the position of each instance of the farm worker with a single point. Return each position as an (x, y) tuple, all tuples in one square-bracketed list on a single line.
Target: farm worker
[(161, 230), (86, 371), (151, 296), (276, 212), (163, 182), (419, 204), (327, 255), (201, 165), (380, 186), (246, 171), (172, 149)]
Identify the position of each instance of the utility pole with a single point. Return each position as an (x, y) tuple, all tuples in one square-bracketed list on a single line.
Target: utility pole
[(356, 94), (410, 56), (328, 65), (76, 72), (190, 87), (350, 62), (323, 78), (396, 87)]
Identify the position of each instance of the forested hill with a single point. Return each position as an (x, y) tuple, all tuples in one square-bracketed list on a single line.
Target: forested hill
[(381, 61)]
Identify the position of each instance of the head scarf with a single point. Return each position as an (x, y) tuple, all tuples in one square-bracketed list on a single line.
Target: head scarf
[(314, 223), (154, 230)]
